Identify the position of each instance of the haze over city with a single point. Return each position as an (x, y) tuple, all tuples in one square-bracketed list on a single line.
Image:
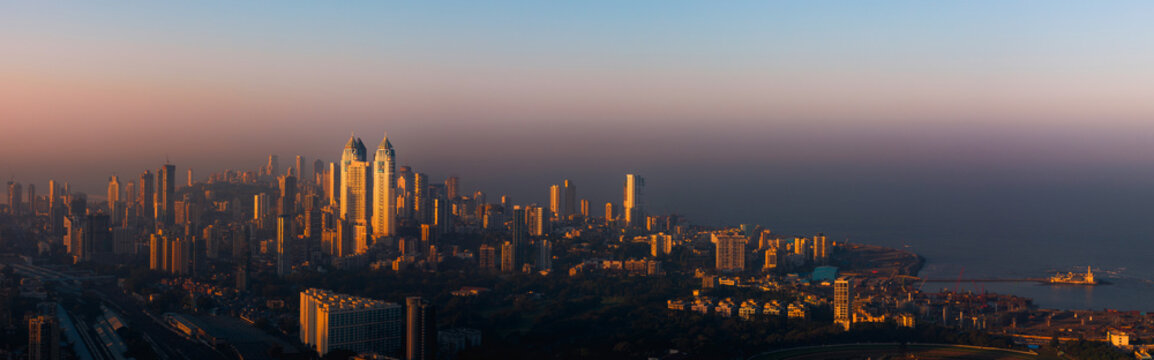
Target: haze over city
[(830, 172)]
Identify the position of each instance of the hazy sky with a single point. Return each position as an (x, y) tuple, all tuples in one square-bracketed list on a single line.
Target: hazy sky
[(516, 95)]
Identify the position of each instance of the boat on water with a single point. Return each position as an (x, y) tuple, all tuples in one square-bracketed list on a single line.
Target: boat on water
[(1074, 278)]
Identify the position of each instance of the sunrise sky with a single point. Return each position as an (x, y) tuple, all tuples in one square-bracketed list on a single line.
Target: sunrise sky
[(483, 89)]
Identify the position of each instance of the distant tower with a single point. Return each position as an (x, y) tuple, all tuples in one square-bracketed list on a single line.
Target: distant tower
[(284, 244), (634, 204), (33, 204), (355, 182), (166, 195), (843, 302), (452, 186), (286, 205), (730, 254), (508, 257), (113, 192), (43, 338), (555, 200), (273, 167), (332, 184), (420, 329), (191, 178), (585, 208), (487, 259), (147, 189), (610, 215), (318, 171), (384, 190), (570, 199), (15, 193), (301, 168)]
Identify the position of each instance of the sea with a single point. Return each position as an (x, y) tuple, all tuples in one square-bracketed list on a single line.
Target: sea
[(976, 228)]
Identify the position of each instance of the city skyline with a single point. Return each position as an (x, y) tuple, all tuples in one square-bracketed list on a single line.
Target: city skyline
[(980, 89)]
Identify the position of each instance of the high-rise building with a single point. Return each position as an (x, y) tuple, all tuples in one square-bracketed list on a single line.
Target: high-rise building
[(332, 184), (610, 215), (634, 203), (260, 209), (166, 195), (442, 216), (730, 251), (420, 329), (570, 199), (520, 232), (771, 258), (43, 338), (508, 257), (15, 201), (585, 208), (146, 206), (555, 200), (273, 167), (331, 321), (821, 249), (487, 257), (113, 195), (355, 171), (452, 186), (422, 204), (384, 190), (660, 244), (284, 244), (191, 178), (301, 167), (538, 219), (318, 172), (544, 255), (843, 302), (286, 205), (33, 204)]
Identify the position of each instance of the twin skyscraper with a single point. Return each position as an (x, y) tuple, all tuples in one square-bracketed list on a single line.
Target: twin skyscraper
[(368, 188)]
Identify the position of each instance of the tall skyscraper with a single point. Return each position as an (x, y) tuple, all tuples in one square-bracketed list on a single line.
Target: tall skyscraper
[(166, 195), (730, 254), (286, 205), (508, 257), (634, 204), (145, 205), (332, 184), (843, 302), (273, 167), (43, 338), (355, 171), (301, 168), (487, 257), (610, 215), (422, 204), (33, 203), (544, 255), (570, 199), (318, 171), (331, 321), (113, 193), (420, 329), (260, 208), (191, 178), (285, 237), (585, 208), (452, 186), (555, 200), (821, 248), (15, 201), (384, 190)]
